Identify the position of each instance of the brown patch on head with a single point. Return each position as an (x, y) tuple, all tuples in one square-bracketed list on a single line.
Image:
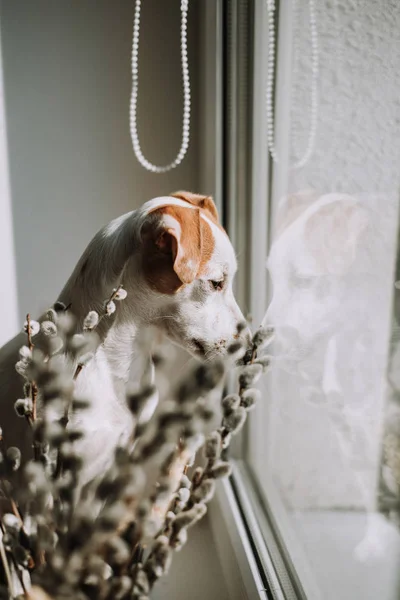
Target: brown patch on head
[(206, 203), (177, 245)]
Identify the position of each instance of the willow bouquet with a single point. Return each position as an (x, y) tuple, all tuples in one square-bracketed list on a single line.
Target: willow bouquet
[(114, 537)]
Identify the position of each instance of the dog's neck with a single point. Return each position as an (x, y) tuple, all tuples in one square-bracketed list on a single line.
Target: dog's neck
[(111, 259), (101, 266)]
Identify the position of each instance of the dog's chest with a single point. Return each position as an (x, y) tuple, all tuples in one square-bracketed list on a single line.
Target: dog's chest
[(107, 422)]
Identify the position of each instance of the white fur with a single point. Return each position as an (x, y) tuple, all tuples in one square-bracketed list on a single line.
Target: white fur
[(194, 316)]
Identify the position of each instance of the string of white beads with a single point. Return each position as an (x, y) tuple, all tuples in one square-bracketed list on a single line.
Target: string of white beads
[(301, 162), (135, 88)]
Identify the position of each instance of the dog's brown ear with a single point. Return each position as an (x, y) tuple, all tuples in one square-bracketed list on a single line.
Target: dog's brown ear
[(204, 202), (177, 244), (181, 238)]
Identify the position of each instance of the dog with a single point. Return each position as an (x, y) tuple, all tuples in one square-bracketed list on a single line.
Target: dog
[(331, 266), (177, 265)]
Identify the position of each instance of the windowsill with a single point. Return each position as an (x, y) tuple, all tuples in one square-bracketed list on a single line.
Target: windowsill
[(247, 549), (233, 546), (330, 540)]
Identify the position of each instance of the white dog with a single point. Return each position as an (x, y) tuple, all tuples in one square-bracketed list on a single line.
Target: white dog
[(177, 265)]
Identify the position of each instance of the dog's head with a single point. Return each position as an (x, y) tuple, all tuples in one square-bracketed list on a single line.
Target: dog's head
[(187, 266)]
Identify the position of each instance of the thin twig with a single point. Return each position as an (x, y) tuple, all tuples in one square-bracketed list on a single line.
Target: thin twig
[(65, 419), (77, 371), (28, 320), (101, 317), (15, 563), (33, 386), (14, 507), (6, 565)]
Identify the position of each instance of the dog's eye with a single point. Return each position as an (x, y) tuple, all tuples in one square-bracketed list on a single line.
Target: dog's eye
[(217, 285)]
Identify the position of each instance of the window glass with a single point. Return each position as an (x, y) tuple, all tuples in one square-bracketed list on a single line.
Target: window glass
[(326, 450)]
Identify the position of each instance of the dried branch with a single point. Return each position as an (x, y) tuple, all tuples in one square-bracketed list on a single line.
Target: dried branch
[(116, 538)]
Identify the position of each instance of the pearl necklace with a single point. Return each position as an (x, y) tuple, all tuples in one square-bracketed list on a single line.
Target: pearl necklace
[(270, 84), (135, 88)]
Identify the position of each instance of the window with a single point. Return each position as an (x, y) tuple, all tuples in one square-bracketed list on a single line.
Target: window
[(321, 166)]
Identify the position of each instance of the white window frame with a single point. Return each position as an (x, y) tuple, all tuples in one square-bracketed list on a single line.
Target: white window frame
[(250, 552)]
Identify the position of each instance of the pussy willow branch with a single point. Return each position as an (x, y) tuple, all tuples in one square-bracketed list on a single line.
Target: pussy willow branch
[(117, 513), (80, 366), (14, 562), (33, 385), (3, 552), (6, 566), (150, 572)]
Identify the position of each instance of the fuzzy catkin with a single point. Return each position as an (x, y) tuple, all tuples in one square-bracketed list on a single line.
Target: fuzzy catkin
[(235, 420), (13, 456), (25, 353), (222, 469), (189, 517), (262, 337), (205, 491), (179, 540), (162, 554), (121, 294), (22, 367), (249, 398), (230, 403), (78, 341), (34, 327), (142, 585), (184, 494), (110, 307), (250, 375), (185, 482), (23, 407), (91, 320), (184, 519), (49, 328), (213, 445)]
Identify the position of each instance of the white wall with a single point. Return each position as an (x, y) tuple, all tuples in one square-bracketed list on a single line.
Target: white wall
[(67, 87), (8, 284)]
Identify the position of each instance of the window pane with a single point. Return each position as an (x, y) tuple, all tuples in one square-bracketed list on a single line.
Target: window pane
[(327, 453)]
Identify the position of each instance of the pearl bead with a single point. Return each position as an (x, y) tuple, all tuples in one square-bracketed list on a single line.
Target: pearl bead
[(186, 94), (270, 4)]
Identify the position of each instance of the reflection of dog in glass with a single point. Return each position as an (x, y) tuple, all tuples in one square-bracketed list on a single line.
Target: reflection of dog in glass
[(331, 268), (320, 272)]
